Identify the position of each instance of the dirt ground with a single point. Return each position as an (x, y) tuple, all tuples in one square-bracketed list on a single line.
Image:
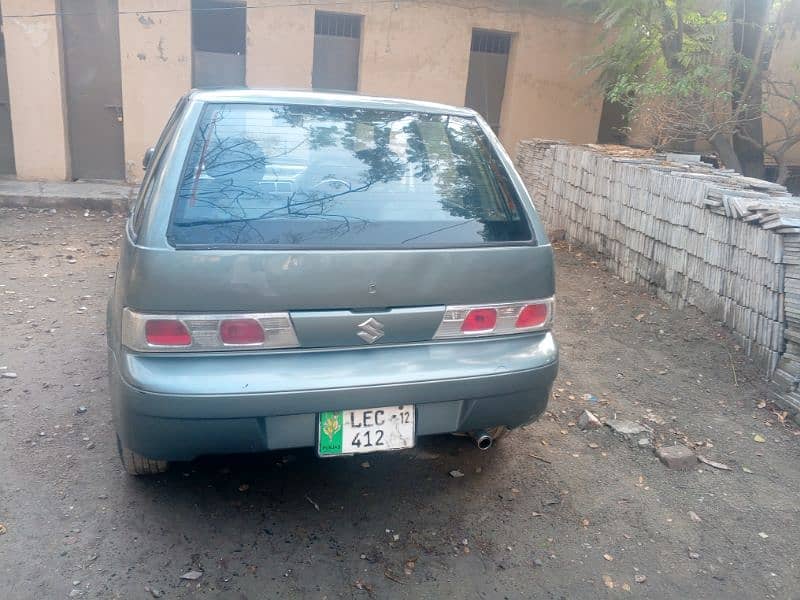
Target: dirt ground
[(550, 512)]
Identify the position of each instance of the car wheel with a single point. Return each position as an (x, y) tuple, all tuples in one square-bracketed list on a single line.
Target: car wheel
[(136, 464)]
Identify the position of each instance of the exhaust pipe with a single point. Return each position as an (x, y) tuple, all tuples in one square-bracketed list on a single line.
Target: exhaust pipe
[(482, 439)]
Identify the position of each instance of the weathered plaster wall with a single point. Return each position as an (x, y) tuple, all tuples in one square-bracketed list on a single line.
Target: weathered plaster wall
[(35, 78), (280, 45), (156, 51), (409, 49), (785, 66), (421, 50)]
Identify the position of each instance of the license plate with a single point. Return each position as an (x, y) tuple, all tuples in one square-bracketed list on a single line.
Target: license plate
[(366, 430)]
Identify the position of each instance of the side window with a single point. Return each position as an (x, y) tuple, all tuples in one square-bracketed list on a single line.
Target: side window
[(137, 214)]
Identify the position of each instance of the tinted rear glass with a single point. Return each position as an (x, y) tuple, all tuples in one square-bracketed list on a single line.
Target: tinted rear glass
[(312, 176)]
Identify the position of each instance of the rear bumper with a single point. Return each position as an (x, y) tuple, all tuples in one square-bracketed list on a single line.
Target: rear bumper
[(180, 407)]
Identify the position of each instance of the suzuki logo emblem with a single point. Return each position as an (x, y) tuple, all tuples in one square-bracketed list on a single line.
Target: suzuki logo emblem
[(371, 330)]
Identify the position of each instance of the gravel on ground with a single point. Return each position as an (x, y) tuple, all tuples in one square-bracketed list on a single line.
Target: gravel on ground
[(551, 511)]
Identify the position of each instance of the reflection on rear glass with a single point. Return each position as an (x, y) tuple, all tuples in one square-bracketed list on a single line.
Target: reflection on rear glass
[(314, 176)]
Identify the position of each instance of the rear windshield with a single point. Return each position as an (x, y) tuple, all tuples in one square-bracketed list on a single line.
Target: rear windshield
[(314, 176)]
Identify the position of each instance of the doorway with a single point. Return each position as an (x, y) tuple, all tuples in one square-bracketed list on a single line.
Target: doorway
[(219, 43), (94, 88), (486, 81), (337, 45), (7, 166)]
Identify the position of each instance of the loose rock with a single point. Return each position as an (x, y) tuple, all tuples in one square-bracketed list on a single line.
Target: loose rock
[(192, 575), (587, 420), (676, 457), (626, 428), (455, 473)]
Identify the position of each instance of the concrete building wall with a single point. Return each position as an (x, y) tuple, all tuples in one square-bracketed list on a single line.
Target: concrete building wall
[(547, 93), (280, 45), (36, 86), (421, 50), (408, 48), (156, 52), (785, 66)]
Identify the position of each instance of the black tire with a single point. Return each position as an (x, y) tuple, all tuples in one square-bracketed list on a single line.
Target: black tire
[(136, 464)]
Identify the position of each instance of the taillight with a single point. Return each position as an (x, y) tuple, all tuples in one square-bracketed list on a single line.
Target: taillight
[(495, 319), (479, 320), (241, 332), (167, 332), (198, 333), (533, 315)]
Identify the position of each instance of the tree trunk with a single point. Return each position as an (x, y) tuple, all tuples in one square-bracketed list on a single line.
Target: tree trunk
[(723, 144), (749, 28), (783, 173)]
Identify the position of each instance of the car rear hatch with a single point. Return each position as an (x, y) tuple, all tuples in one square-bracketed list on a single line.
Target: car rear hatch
[(329, 295), (364, 227)]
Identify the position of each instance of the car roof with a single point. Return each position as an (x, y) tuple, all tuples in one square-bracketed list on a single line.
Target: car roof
[(336, 99)]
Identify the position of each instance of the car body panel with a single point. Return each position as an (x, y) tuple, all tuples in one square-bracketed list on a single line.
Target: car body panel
[(272, 400), (274, 280), (177, 406)]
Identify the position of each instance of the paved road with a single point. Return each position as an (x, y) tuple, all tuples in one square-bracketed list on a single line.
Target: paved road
[(551, 512)]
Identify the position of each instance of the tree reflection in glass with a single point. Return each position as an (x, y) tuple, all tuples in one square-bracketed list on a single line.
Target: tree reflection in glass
[(286, 175)]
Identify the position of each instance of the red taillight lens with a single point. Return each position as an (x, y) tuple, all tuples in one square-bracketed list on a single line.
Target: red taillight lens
[(533, 315), (480, 319), (163, 332), (241, 331)]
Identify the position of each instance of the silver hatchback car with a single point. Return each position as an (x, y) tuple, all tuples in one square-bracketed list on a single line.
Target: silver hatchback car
[(331, 271)]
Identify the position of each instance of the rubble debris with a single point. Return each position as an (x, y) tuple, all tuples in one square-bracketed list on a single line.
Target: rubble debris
[(676, 457), (587, 420), (713, 463), (626, 428)]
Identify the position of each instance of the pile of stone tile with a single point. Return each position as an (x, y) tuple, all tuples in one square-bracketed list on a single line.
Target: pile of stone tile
[(710, 238)]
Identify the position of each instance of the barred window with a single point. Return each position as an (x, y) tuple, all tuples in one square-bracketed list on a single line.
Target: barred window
[(491, 42), (337, 24)]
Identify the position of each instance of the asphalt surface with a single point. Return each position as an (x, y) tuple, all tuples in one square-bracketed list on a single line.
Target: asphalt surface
[(550, 512)]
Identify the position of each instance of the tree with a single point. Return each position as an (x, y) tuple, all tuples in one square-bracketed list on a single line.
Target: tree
[(690, 70)]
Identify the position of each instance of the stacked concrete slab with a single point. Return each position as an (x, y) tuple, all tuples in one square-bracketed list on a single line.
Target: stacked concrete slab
[(710, 238)]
